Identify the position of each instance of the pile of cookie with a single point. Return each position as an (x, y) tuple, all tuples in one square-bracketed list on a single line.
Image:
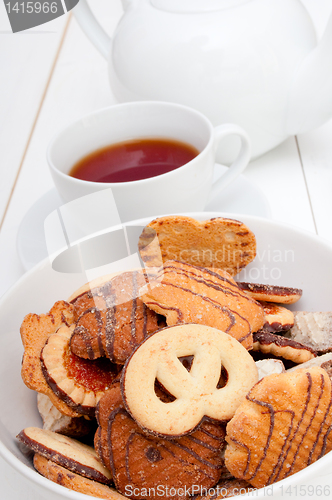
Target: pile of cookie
[(187, 379)]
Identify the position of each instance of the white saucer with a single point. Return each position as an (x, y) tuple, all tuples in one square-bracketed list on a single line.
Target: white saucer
[(241, 197)]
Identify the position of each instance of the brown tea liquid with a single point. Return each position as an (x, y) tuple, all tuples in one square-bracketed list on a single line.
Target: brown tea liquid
[(133, 160)]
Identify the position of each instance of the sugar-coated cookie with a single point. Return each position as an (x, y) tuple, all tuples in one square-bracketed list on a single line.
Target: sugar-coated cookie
[(35, 330), (281, 427), (111, 320), (190, 294), (218, 243), (144, 466)]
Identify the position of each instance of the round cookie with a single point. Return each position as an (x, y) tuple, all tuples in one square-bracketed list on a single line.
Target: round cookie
[(281, 427), (67, 452), (196, 391), (191, 294), (141, 463), (277, 345), (78, 382), (272, 293), (73, 481), (111, 320)]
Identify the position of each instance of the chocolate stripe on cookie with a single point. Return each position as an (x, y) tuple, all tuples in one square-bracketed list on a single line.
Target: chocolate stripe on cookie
[(322, 452), (268, 440), (110, 325), (311, 419), (289, 443), (192, 275), (235, 311), (178, 462), (112, 320), (282, 459), (166, 308), (271, 343)]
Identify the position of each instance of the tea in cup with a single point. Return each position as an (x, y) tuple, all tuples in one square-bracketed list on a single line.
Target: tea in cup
[(163, 158)]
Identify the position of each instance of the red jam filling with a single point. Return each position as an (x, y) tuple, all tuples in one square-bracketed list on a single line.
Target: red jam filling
[(96, 375)]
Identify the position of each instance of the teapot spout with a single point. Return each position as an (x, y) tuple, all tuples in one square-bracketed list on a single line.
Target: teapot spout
[(310, 97)]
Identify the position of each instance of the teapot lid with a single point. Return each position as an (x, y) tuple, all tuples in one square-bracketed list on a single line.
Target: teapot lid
[(193, 6)]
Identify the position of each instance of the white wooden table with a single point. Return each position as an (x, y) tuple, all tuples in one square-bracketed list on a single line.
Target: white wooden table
[(52, 75)]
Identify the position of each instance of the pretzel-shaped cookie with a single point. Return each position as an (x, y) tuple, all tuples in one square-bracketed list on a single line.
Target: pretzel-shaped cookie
[(196, 390)]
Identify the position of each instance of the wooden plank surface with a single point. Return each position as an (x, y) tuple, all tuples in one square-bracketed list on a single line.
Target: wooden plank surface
[(316, 146), (27, 59), (79, 85)]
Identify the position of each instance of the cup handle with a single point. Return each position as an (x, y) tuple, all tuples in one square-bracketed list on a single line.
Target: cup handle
[(239, 164)]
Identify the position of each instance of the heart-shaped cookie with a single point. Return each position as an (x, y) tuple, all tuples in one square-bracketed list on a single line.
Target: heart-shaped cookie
[(218, 243)]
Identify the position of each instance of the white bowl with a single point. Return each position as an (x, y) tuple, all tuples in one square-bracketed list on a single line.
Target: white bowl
[(286, 256)]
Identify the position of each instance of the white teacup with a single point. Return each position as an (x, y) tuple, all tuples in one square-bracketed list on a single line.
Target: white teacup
[(185, 189)]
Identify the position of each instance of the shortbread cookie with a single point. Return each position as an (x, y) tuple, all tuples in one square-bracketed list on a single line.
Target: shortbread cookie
[(35, 331), (73, 481), (190, 294), (54, 421), (112, 320), (272, 293), (281, 427), (313, 329), (196, 392), (67, 452), (277, 345), (139, 461), (269, 366), (218, 243), (78, 382), (277, 318)]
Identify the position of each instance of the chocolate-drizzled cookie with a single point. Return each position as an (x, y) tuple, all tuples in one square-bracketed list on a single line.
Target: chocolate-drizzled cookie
[(112, 320), (192, 294), (272, 293), (282, 426), (277, 318), (277, 345), (139, 461)]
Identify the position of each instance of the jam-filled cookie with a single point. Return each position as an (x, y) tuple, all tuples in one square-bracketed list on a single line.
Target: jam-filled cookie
[(140, 462), (78, 382), (111, 320), (281, 427), (191, 294)]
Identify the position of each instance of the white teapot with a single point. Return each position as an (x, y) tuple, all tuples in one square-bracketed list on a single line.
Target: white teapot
[(253, 62)]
